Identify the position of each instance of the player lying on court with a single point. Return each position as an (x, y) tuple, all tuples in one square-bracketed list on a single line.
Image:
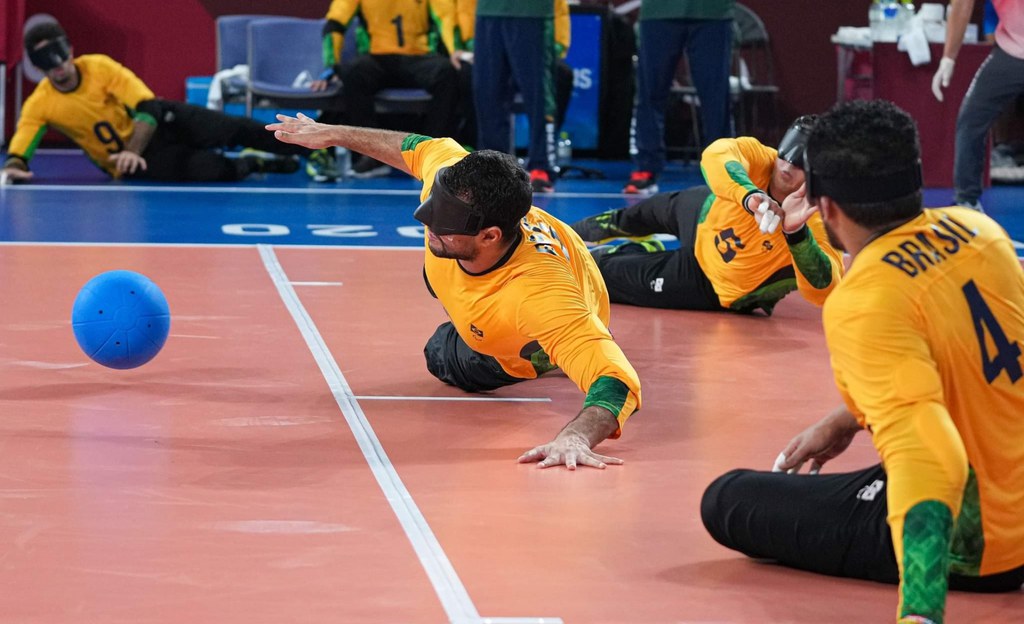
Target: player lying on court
[(126, 130), (923, 334), (523, 294), (726, 259)]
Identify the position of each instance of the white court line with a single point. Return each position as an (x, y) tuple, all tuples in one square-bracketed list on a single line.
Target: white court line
[(365, 397), (242, 190), (417, 247), (315, 283), (447, 585)]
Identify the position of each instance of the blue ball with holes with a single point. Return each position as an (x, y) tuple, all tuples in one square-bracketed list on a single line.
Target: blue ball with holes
[(121, 319)]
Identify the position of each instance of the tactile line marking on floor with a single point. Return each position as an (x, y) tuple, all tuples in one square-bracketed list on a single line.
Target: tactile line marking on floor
[(367, 397), (449, 588), (515, 620), (315, 283)]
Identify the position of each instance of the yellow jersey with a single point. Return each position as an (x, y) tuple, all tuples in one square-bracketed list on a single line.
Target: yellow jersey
[(923, 334), (405, 27), (97, 115), (750, 269), (465, 22), (545, 306)]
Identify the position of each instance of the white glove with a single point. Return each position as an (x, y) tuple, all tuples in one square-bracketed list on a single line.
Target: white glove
[(767, 219), (942, 75)]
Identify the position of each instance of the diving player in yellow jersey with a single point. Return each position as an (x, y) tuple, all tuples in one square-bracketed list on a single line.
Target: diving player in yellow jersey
[(726, 261), (521, 289), (124, 128), (397, 43), (924, 338)]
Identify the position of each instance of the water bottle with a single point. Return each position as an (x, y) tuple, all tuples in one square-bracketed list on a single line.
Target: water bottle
[(888, 21), (875, 19), (564, 151), (343, 161)]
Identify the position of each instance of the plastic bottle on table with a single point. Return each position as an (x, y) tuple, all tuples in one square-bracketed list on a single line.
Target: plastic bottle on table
[(564, 151)]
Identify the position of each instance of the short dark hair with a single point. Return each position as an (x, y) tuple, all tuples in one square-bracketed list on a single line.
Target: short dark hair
[(46, 31), (495, 184), (867, 139)]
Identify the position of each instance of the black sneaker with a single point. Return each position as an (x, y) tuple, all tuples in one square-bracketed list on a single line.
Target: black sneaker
[(600, 227), (265, 162), (366, 167), (322, 167)]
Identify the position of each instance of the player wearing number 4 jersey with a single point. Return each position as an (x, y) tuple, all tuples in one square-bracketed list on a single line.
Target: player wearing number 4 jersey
[(124, 129), (522, 292), (924, 337)]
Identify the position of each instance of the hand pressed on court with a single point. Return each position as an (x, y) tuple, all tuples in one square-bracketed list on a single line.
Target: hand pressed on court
[(574, 444), (570, 450), (13, 174), (127, 161), (822, 441)]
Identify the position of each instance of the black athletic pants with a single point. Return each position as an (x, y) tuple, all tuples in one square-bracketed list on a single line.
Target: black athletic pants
[(452, 361), (668, 279), (183, 147), (830, 524), (467, 132), (370, 73)]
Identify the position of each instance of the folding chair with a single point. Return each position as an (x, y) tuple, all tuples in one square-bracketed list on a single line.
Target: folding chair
[(280, 50)]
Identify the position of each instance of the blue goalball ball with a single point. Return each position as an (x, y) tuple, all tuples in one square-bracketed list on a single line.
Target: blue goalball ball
[(121, 319)]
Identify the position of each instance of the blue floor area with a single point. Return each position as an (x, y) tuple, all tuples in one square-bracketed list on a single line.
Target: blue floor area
[(72, 201)]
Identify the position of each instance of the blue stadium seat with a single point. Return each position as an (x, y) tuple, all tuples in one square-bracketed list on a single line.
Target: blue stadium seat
[(279, 51)]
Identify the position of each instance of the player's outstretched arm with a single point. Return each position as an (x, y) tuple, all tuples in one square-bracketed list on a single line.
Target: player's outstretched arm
[(573, 445), (382, 145)]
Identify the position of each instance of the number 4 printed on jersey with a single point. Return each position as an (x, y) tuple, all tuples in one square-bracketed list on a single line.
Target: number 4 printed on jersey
[(1007, 355)]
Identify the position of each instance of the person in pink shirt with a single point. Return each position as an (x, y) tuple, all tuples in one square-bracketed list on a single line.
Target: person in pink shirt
[(999, 79)]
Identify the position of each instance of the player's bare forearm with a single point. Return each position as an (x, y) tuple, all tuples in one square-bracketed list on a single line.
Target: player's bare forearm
[(382, 145), (959, 16), (142, 133), (593, 423)]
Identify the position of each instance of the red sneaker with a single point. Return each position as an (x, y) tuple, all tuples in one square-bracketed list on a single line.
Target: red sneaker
[(641, 183), (541, 181)]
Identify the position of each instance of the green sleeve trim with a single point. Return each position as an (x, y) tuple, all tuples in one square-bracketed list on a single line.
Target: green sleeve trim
[(968, 536), (769, 293), (609, 393), (706, 208), (813, 263), (145, 118), (332, 57), (327, 51), (410, 142), (362, 34), (927, 531), (739, 175), (33, 144)]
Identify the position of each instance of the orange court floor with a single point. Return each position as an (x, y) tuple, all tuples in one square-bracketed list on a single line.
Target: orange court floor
[(287, 458)]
